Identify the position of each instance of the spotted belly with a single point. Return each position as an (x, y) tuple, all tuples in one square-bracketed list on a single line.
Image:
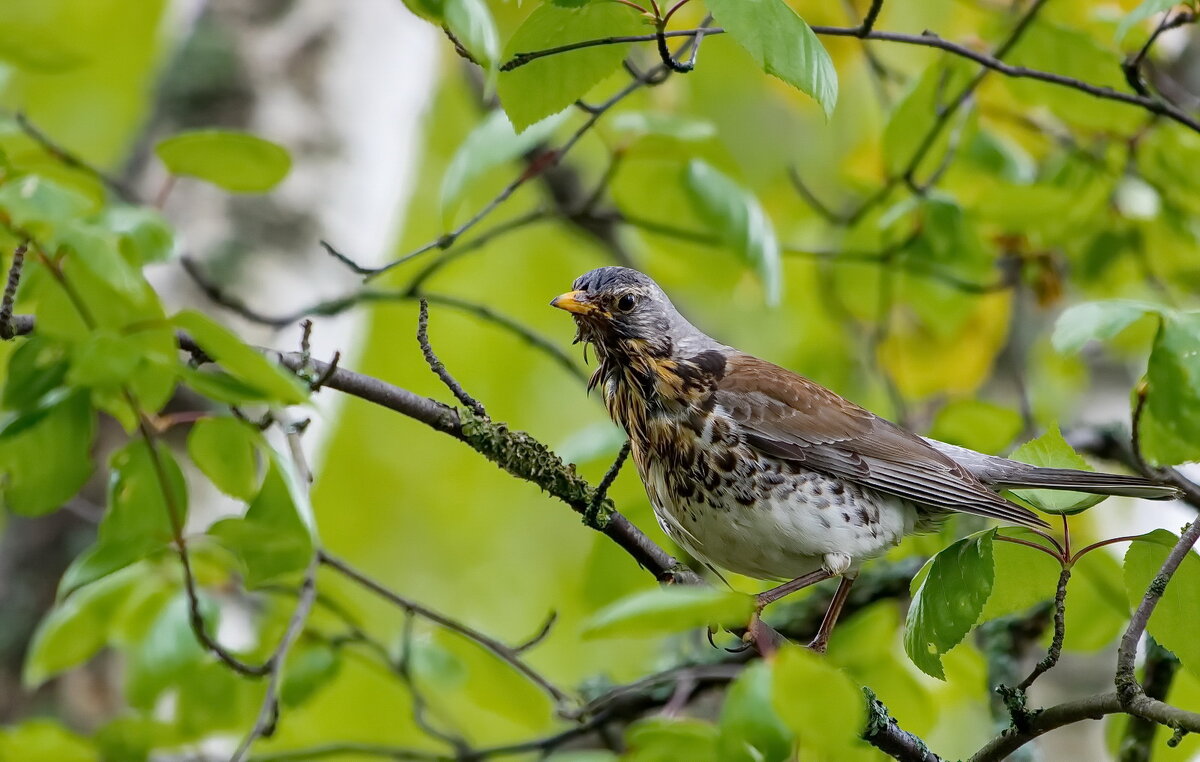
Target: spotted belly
[(769, 519)]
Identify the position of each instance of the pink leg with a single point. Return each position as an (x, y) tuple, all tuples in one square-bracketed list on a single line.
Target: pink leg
[(763, 637), (821, 641), (787, 588)]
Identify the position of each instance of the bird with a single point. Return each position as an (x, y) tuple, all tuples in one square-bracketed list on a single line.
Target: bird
[(752, 468)]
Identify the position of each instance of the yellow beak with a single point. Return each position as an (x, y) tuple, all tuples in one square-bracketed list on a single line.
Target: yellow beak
[(575, 302)]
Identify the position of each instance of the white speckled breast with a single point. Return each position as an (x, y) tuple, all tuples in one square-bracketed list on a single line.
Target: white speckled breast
[(731, 507)]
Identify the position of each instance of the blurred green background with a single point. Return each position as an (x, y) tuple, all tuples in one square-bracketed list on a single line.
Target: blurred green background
[(934, 308)]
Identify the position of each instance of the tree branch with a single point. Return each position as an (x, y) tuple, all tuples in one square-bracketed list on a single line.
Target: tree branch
[(884, 733), (1159, 670), (926, 39), (1067, 713)]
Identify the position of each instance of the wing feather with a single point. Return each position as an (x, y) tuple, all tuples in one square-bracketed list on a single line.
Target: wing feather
[(784, 415)]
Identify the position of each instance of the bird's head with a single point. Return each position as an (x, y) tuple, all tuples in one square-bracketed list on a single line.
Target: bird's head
[(620, 310)]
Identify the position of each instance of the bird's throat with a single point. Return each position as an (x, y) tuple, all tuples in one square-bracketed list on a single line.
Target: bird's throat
[(641, 387)]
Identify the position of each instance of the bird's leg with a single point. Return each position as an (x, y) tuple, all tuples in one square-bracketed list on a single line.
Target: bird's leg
[(821, 641), (762, 600), (758, 632)]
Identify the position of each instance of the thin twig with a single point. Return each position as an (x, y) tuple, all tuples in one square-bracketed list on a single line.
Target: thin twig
[(366, 296), (1029, 544), (475, 244), (538, 636), (10, 291), (73, 160), (438, 368), (268, 713), (1100, 544), (929, 40), (811, 198), (1132, 67), (498, 649), (447, 240), (664, 53), (420, 707), (591, 515), (868, 22), (1056, 643)]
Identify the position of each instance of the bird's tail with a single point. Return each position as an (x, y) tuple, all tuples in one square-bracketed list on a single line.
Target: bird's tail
[(1032, 477), (1002, 473)]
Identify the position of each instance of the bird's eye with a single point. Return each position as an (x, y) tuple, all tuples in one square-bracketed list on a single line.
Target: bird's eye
[(625, 303)]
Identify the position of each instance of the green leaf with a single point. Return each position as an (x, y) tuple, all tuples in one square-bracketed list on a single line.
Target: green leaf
[(781, 44), (36, 368), (662, 739), (105, 360), (132, 738), (1172, 415), (45, 453), (1139, 14), (216, 699), (146, 488), (668, 610), (1097, 611), (241, 361), (639, 124), (218, 385), (40, 206), (145, 235), (224, 450), (430, 10), (98, 250), (236, 161), (491, 144), (44, 741), (1173, 624), (473, 26), (1097, 321), (548, 85), (308, 669), (167, 652), (735, 215), (949, 601), (274, 538), (829, 725), (1052, 451), (750, 729), (36, 49), (77, 628), (1023, 576)]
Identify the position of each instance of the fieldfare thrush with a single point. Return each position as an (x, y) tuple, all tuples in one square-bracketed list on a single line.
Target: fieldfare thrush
[(758, 470)]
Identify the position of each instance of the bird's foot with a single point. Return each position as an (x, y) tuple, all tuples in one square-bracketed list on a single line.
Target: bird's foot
[(711, 635), (818, 645), (762, 636)]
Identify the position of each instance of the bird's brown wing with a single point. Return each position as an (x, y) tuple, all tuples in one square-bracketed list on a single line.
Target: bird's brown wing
[(786, 416)]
